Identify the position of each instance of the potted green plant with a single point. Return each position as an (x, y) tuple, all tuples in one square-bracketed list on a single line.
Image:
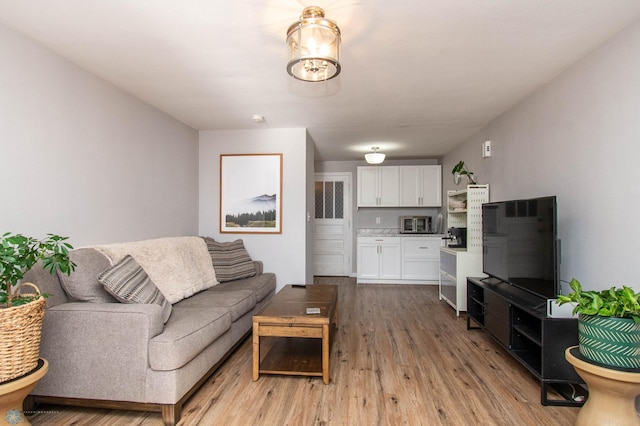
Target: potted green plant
[(608, 324), (21, 314), (461, 170)]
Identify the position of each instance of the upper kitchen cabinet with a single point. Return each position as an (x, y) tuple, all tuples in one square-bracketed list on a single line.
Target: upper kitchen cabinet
[(421, 186), (400, 186), (378, 186)]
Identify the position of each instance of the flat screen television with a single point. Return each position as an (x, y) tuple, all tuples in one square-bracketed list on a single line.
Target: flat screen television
[(519, 242)]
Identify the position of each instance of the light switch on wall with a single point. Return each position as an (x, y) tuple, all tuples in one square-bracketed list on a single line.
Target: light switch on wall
[(377, 221), (486, 149)]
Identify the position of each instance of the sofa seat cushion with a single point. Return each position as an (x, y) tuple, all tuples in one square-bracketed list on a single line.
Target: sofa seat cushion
[(187, 333), (238, 302), (262, 285)]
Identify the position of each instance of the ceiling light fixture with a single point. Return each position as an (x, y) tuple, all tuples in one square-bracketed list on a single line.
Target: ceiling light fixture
[(257, 118), (374, 157), (314, 47)]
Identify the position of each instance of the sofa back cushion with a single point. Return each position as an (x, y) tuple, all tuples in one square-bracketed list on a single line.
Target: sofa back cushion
[(179, 266), (230, 260), (82, 285), (48, 283)]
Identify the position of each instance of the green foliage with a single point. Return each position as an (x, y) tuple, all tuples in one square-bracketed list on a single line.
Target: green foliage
[(461, 169), (261, 219), (614, 302), (18, 254)]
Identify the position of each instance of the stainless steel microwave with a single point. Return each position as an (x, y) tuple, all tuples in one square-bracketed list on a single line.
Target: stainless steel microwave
[(415, 224)]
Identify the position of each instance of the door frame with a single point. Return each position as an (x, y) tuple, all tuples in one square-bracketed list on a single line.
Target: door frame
[(348, 209)]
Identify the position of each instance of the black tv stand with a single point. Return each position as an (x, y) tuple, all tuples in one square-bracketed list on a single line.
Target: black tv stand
[(513, 317), (542, 305)]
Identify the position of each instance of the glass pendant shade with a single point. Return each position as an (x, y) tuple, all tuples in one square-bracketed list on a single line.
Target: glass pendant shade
[(374, 157), (314, 47)]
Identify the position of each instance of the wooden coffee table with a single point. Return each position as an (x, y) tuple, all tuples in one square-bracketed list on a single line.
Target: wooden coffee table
[(302, 341)]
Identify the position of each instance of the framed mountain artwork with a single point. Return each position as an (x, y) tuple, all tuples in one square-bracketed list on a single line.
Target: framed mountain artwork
[(251, 193)]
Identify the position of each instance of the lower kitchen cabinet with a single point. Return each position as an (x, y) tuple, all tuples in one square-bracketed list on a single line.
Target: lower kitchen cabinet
[(379, 258), (420, 259), (398, 259)]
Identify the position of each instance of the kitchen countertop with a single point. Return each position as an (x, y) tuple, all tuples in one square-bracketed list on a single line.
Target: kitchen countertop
[(454, 249), (390, 232)]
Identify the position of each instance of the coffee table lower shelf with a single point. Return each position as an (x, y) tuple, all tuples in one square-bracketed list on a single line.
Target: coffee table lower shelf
[(296, 343), (293, 356)]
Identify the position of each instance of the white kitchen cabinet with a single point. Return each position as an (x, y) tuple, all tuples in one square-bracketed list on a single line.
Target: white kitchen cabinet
[(379, 258), (420, 186), (399, 259), (368, 259), (420, 258), (378, 186)]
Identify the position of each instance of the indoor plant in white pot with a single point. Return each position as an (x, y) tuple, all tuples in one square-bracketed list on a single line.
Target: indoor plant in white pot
[(608, 324), (21, 314)]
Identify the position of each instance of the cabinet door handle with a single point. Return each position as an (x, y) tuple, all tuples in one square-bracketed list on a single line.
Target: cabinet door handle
[(423, 248)]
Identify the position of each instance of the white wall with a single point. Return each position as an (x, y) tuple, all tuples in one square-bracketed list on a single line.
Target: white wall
[(80, 158), (285, 254), (577, 138)]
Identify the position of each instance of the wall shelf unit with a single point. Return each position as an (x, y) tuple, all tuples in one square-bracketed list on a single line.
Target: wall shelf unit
[(458, 264)]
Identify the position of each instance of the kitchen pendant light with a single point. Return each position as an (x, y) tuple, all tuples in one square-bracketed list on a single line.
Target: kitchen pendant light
[(314, 47), (374, 157)]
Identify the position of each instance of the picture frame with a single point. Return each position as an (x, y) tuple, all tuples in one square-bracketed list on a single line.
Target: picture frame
[(251, 193)]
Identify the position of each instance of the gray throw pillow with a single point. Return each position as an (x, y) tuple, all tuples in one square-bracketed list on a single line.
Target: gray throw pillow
[(82, 285), (129, 283), (230, 260)]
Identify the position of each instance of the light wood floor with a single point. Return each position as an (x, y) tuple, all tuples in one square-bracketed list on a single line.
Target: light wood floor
[(400, 357)]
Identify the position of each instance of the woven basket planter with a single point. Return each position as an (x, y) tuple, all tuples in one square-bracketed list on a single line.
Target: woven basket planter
[(610, 341), (20, 331)]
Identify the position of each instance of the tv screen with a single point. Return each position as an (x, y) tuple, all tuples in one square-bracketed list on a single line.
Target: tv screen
[(519, 244)]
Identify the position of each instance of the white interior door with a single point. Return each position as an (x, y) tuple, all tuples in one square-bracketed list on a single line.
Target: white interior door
[(332, 231)]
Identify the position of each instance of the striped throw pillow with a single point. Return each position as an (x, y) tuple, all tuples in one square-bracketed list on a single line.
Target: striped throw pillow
[(230, 260), (129, 283)]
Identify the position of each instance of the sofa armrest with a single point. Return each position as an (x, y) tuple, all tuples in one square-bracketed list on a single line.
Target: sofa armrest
[(259, 267), (98, 350)]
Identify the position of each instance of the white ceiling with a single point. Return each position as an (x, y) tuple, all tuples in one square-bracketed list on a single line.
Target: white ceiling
[(418, 76)]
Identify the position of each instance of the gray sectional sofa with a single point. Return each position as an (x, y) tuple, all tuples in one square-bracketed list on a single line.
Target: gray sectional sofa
[(105, 353)]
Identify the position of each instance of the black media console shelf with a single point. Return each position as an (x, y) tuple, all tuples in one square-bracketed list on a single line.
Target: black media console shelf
[(518, 321)]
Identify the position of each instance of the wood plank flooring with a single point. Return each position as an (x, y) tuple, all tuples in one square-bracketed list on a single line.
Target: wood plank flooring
[(400, 357)]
